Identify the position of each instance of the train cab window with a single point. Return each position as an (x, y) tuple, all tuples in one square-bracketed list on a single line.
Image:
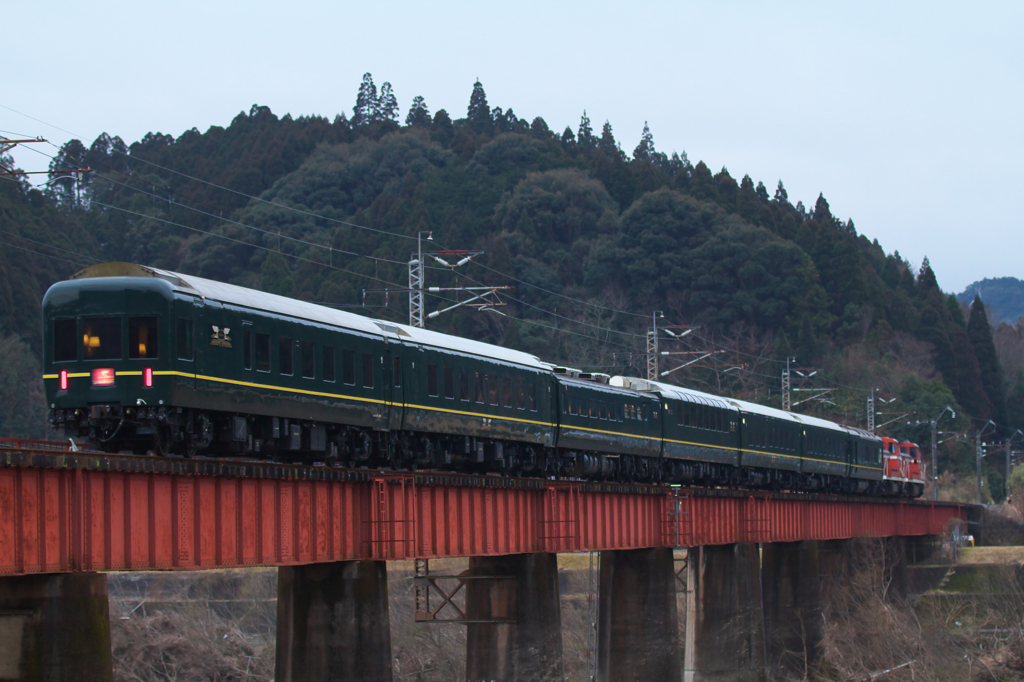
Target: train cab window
[(367, 370), (520, 395), (286, 355), (64, 347), (308, 360), (478, 380), (449, 383), (397, 373), (492, 388), (348, 367), (329, 363), (101, 338), (247, 348), (531, 396), (432, 380), (142, 338), (506, 392), (463, 385), (262, 352)]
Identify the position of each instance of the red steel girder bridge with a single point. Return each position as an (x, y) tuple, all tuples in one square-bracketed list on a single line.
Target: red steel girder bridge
[(66, 511)]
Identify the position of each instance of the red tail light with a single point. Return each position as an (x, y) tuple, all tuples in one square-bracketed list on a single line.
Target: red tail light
[(103, 377), (147, 376), (63, 380)]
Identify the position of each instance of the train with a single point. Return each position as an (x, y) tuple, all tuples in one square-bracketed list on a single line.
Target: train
[(148, 361)]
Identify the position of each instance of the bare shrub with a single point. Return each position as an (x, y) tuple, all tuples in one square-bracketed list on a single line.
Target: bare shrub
[(209, 625)]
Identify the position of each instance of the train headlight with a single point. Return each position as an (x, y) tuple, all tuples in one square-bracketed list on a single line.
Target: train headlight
[(103, 376)]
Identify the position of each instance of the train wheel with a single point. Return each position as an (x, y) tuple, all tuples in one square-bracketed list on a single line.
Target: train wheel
[(164, 440)]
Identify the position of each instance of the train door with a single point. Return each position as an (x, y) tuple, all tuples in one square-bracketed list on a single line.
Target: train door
[(186, 319), (393, 386)]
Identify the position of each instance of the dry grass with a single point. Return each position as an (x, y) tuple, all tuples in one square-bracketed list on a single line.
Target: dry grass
[(213, 625), (873, 632)]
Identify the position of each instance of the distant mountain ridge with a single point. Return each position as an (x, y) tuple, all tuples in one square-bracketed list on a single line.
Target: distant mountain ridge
[(1003, 295)]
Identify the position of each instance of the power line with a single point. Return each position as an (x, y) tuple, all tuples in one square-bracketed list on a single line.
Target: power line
[(44, 255)]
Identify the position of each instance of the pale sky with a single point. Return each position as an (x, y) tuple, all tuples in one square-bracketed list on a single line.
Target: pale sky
[(906, 115)]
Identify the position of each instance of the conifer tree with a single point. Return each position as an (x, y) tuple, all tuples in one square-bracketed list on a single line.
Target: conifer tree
[(980, 334), (568, 139), (762, 192), (645, 150), (539, 128), (442, 130), (585, 136), (387, 104), (607, 143), (1015, 402), (932, 328), (365, 109), (419, 115), (478, 116), (822, 213), (781, 195)]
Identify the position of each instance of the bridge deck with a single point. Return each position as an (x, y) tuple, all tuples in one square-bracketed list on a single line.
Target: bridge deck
[(79, 511)]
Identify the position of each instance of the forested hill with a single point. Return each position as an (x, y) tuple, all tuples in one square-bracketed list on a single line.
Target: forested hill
[(1004, 297), (592, 239)]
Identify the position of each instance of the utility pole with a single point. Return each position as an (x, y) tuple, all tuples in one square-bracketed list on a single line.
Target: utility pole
[(416, 282), (417, 278), (7, 144), (978, 453), (871, 411), (1008, 462), (935, 447), (652, 348), (786, 405)]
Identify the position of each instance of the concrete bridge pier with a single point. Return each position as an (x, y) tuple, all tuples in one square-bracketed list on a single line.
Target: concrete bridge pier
[(791, 599), (724, 625), (55, 627), (637, 628), (332, 622), (523, 588)]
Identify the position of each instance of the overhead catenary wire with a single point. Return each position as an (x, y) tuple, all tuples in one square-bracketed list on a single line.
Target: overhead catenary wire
[(706, 341)]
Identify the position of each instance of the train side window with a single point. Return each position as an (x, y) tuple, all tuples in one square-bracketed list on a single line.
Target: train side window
[(506, 392), (247, 349), (463, 385), (618, 413), (531, 395), (567, 407), (262, 352), (367, 370), (286, 356), (348, 367), (520, 395), (142, 338), (449, 383), (308, 360), (604, 411), (398, 372), (492, 388), (329, 363), (185, 342), (432, 380), (478, 380), (64, 334)]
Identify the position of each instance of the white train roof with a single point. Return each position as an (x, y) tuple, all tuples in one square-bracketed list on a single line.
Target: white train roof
[(691, 395), (260, 300)]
